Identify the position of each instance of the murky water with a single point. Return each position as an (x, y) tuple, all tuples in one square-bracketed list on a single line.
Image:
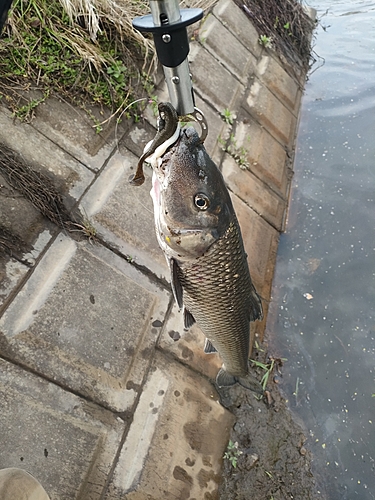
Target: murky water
[(323, 310)]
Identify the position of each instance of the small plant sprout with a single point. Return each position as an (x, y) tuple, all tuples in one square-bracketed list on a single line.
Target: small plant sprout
[(153, 101), (25, 113), (86, 228), (228, 116), (267, 368), (233, 453), (257, 346), (265, 40), (117, 71), (236, 152), (287, 28)]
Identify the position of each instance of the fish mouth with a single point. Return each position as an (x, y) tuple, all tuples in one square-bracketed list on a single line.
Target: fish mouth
[(156, 158), (161, 167)]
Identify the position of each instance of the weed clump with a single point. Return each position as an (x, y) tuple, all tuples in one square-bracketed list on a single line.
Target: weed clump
[(283, 25), (89, 56)]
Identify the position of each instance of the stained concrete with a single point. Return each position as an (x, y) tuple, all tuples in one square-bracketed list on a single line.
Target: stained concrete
[(105, 395)]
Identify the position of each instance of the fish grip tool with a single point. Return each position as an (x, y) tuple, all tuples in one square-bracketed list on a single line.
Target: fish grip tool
[(168, 24)]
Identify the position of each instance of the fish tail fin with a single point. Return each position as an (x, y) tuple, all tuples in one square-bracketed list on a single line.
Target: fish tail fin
[(250, 382), (225, 379)]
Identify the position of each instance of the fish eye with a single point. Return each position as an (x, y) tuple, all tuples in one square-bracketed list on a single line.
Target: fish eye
[(201, 201)]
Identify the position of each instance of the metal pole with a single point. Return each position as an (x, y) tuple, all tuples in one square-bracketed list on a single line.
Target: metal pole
[(4, 7), (168, 24)]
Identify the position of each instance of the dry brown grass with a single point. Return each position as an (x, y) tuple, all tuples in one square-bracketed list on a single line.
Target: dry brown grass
[(285, 24), (84, 50)]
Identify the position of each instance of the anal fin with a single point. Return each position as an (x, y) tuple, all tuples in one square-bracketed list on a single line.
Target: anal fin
[(188, 318), (208, 347)]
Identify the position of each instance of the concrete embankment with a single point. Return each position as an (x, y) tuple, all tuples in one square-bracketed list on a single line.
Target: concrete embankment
[(103, 394)]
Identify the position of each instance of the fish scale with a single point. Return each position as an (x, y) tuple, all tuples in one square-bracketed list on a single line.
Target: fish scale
[(219, 293)]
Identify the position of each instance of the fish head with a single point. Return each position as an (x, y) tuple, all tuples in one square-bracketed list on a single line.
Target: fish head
[(191, 202)]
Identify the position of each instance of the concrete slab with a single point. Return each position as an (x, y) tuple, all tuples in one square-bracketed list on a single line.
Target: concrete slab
[(254, 192), (221, 92), (67, 443), (260, 241), (71, 128), (282, 85), (217, 129), (123, 214), (140, 134), (226, 48), (265, 156), (69, 176), (239, 25), (12, 272), (271, 113), (175, 444), (85, 319)]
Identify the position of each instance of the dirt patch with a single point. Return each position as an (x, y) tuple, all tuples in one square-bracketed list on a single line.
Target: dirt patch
[(266, 457)]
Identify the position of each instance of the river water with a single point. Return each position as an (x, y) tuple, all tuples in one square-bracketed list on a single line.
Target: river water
[(322, 313)]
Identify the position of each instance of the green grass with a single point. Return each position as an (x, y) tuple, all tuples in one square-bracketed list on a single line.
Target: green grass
[(44, 48), (232, 453)]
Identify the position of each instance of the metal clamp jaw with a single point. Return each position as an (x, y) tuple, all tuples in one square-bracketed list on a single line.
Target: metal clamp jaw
[(168, 26)]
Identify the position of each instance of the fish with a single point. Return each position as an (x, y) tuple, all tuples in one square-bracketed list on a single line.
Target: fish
[(168, 128), (198, 231)]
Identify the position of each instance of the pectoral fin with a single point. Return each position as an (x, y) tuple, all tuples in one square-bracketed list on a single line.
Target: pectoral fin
[(175, 282)]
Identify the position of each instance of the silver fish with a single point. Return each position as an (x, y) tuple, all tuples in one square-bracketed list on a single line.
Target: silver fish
[(198, 231)]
